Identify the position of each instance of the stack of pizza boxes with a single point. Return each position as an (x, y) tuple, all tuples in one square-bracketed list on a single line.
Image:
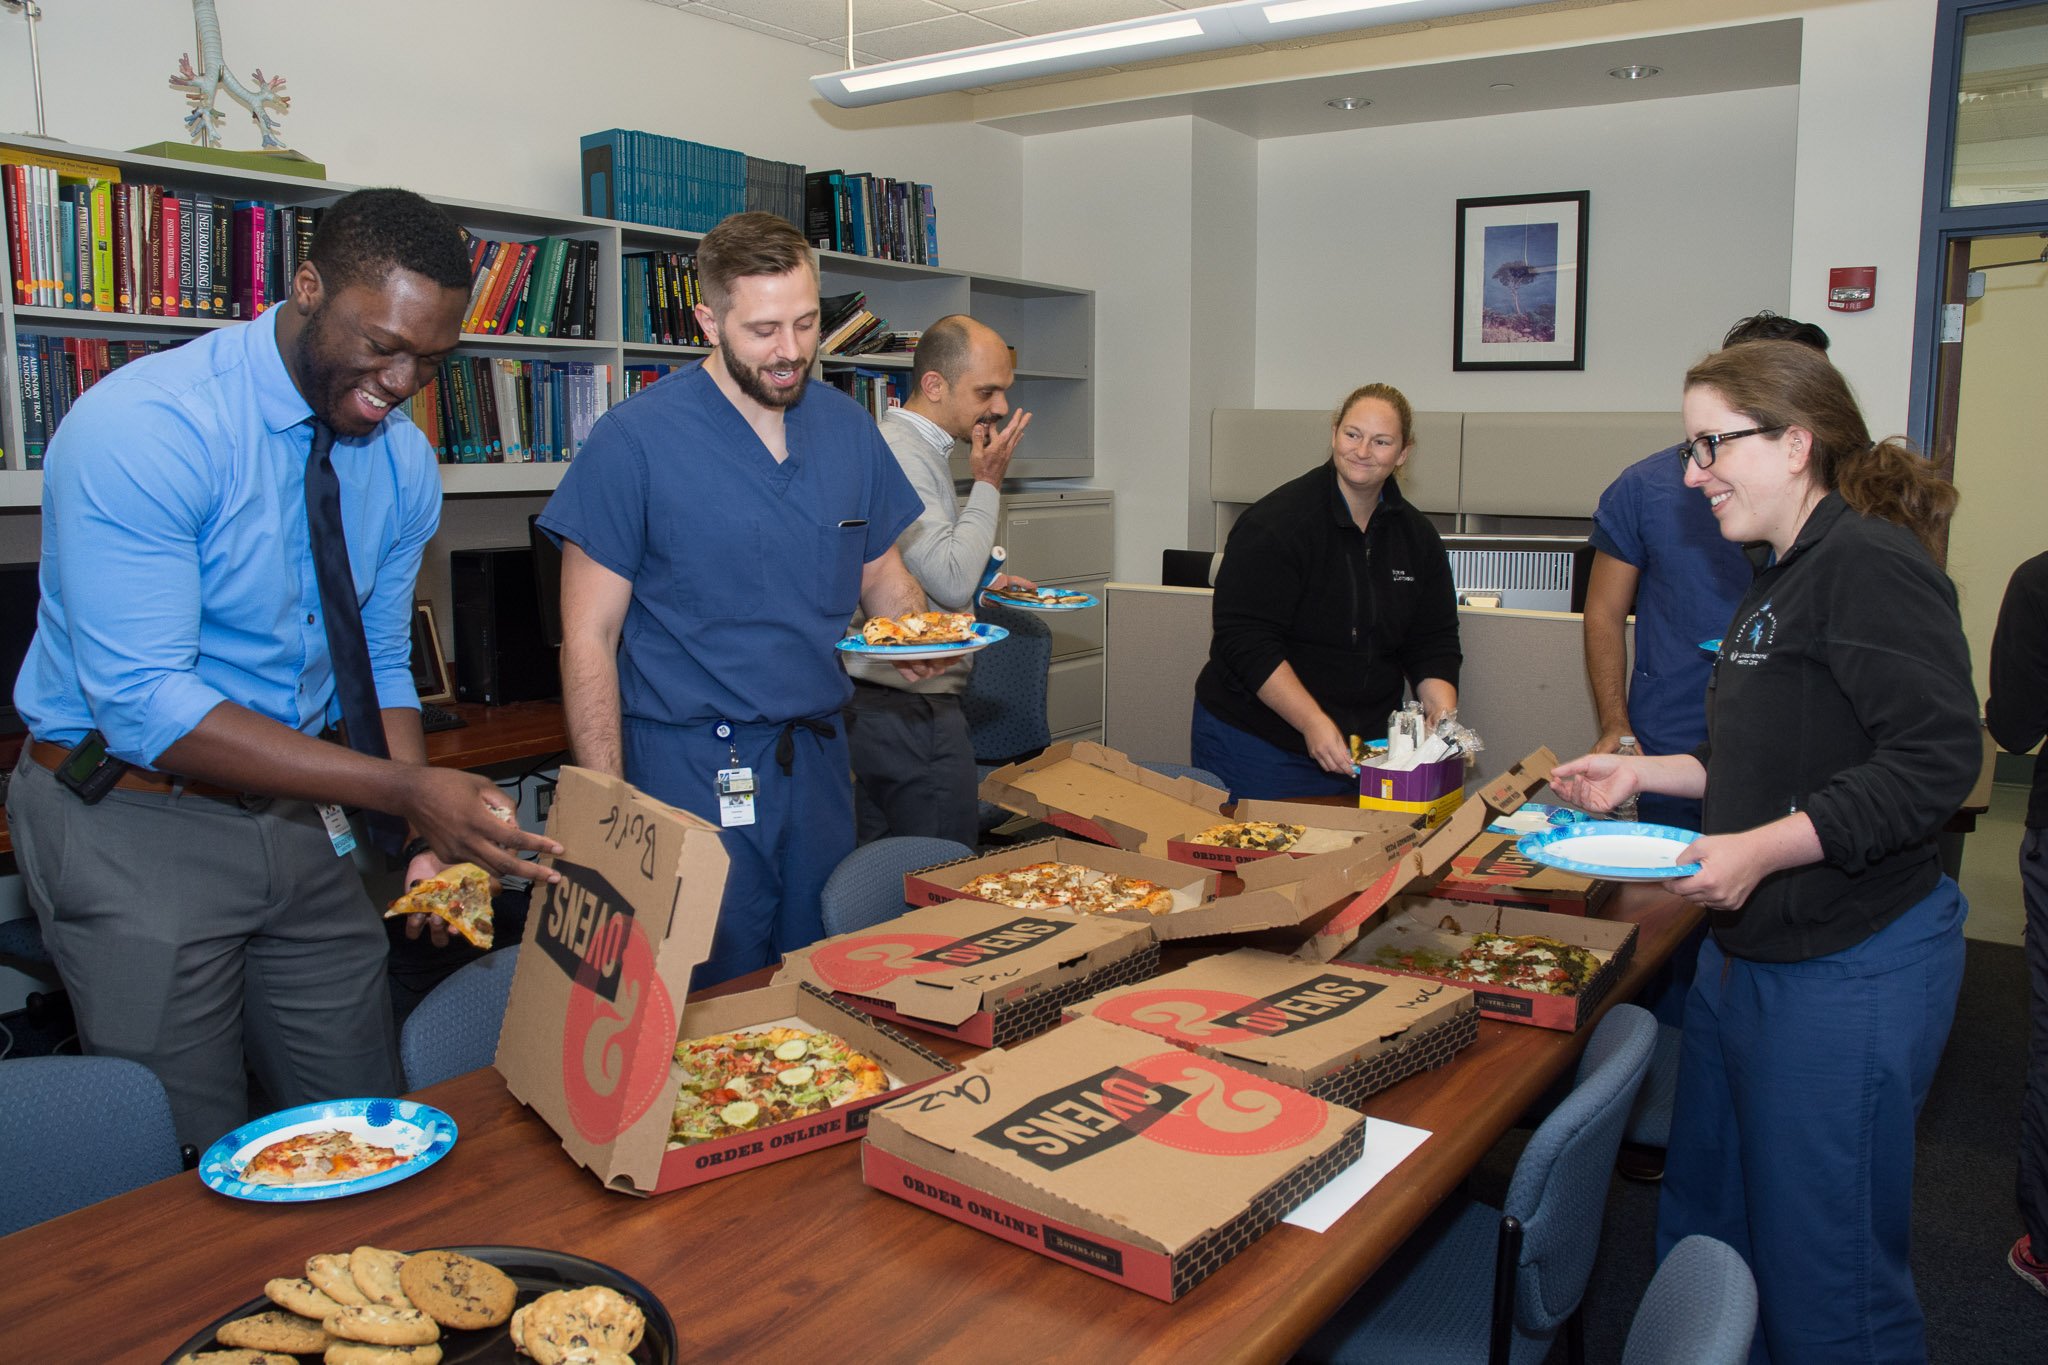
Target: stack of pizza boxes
[(1112, 1151), (1492, 870), (1394, 926), (597, 1002)]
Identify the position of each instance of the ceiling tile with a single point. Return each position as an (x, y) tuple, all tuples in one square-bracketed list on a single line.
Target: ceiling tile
[(937, 35), (837, 51), (827, 18), (756, 26), (1037, 17)]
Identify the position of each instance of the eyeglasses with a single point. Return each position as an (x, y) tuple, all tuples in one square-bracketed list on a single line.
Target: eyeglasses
[(1701, 450)]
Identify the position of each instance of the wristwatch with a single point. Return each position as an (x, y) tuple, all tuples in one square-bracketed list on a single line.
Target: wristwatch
[(414, 847)]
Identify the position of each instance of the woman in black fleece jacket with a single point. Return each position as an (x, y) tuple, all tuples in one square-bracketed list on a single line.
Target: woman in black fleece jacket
[(1333, 594), (1841, 735)]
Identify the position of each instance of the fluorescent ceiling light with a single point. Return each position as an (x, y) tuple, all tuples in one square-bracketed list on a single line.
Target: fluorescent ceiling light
[(1243, 23)]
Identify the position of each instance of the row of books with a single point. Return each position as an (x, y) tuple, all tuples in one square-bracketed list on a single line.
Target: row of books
[(495, 410), (847, 326), (544, 288), (80, 237), (672, 182), (639, 375), (871, 215), (660, 296), (54, 371), (875, 390)]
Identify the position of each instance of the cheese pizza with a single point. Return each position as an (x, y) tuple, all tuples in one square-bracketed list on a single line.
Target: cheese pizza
[(734, 1082), (1069, 886), (312, 1157), (460, 894), (920, 628), (1265, 836)]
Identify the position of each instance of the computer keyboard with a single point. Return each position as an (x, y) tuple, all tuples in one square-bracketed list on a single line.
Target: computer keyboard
[(433, 718)]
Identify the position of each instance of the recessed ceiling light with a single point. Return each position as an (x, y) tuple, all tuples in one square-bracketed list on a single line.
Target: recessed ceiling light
[(1347, 103), (1500, 85), (1634, 73)]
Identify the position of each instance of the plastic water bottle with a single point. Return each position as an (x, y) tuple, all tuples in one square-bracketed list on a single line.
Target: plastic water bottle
[(1627, 809)]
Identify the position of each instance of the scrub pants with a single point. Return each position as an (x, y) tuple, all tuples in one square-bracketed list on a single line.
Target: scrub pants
[(802, 830), (1255, 770), (1799, 1085), (913, 765), (2033, 1183)]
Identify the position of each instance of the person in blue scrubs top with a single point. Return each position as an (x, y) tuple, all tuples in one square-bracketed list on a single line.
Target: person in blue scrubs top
[(718, 531)]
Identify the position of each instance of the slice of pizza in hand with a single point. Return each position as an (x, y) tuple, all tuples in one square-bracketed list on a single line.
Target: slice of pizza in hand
[(460, 894)]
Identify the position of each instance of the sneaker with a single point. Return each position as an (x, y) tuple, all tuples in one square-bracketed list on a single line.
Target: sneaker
[(2022, 1261), (1640, 1163)]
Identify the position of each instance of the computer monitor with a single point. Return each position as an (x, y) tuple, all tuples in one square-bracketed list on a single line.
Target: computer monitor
[(20, 596), (547, 576)]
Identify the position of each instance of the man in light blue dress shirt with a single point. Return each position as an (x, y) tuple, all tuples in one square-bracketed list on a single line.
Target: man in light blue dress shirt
[(202, 911)]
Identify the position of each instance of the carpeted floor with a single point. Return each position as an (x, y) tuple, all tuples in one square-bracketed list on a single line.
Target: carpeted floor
[(1978, 1311)]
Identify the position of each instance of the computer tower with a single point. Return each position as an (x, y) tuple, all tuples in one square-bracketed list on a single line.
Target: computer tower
[(501, 652)]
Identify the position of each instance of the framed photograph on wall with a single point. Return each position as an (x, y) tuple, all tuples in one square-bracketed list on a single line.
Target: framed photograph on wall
[(430, 676), (1521, 283)]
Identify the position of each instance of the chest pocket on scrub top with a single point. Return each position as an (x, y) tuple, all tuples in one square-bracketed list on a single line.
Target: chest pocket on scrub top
[(840, 550)]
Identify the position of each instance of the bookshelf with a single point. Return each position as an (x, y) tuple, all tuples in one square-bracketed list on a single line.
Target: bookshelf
[(1051, 326)]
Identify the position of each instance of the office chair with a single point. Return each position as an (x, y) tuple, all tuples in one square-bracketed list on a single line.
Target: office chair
[(1479, 1283), (1699, 1310), (867, 887), (455, 1029), (76, 1130)]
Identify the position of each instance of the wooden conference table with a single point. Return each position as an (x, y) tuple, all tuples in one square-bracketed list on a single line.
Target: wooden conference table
[(794, 1261)]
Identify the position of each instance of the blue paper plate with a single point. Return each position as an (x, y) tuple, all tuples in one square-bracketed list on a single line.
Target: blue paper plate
[(1536, 817), (984, 636), (419, 1131), (1027, 604), (1711, 646), (1612, 850)]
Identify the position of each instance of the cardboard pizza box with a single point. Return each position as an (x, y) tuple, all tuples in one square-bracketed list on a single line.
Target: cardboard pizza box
[(1420, 923), (1422, 863), (1339, 1032), (984, 974), (1109, 1150), (1285, 893), (597, 1002), (1492, 871), (1100, 794), (1326, 829)]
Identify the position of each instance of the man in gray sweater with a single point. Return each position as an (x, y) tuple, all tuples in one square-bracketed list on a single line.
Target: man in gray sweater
[(913, 762)]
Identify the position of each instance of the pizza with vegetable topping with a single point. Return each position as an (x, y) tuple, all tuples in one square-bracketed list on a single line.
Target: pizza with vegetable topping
[(734, 1082), (459, 894), (1528, 962), (1069, 886), (920, 628), (312, 1157), (1264, 836)]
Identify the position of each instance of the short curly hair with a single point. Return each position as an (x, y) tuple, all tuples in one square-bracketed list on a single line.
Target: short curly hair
[(363, 235)]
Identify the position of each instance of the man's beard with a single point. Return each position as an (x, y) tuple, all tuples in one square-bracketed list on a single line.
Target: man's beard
[(755, 386)]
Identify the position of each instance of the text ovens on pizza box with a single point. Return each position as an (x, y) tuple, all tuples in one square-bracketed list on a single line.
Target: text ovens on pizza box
[(976, 972), (1111, 1151), (597, 1003), (1335, 1030)]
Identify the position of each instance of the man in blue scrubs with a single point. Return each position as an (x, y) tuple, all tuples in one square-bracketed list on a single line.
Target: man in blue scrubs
[(718, 531)]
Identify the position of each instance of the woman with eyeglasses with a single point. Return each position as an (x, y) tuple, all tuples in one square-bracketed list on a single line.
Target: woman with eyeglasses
[(1333, 594), (1842, 734)]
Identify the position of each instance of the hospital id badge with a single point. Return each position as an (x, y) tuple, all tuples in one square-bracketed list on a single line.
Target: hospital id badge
[(735, 797), (338, 833)]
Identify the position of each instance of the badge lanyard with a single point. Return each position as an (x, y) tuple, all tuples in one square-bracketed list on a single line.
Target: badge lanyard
[(735, 784)]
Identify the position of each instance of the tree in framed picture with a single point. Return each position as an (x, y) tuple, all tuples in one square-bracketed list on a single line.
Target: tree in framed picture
[(1520, 283)]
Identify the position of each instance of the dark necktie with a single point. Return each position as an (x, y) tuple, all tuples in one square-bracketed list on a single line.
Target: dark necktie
[(347, 650)]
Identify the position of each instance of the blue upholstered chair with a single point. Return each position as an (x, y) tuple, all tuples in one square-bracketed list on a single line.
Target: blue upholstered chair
[(1478, 1283), (1649, 1122), (455, 1029), (1699, 1310), (1005, 696), (1184, 770), (867, 888), (76, 1130), (21, 944)]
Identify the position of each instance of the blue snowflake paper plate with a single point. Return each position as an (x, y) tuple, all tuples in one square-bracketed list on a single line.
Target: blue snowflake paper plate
[(984, 636), (1612, 850), (418, 1132), (1043, 600), (1711, 646)]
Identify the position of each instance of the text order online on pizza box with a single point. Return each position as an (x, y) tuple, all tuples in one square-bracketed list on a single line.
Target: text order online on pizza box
[(597, 1002)]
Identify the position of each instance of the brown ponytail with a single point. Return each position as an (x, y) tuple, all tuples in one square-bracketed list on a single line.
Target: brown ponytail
[(1783, 383)]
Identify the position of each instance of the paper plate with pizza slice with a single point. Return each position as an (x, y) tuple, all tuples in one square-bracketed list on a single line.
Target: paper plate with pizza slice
[(1042, 599), (327, 1150), (1613, 850), (965, 639)]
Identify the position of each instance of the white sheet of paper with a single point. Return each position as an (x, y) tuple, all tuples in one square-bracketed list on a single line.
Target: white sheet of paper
[(1387, 1145)]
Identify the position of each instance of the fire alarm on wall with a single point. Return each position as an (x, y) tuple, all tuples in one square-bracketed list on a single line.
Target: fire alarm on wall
[(1852, 288)]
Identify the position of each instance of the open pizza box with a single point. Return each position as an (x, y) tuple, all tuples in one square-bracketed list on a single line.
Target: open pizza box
[(1325, 829), (1492, 871), (597, 1001), (1094, 1146), (1339, 1032), (1284, 893), (1100, 794), (1420, 864), (1418, 931), (984, 974)]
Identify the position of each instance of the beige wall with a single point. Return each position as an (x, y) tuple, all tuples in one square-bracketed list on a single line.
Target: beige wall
[(2000, 438)]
